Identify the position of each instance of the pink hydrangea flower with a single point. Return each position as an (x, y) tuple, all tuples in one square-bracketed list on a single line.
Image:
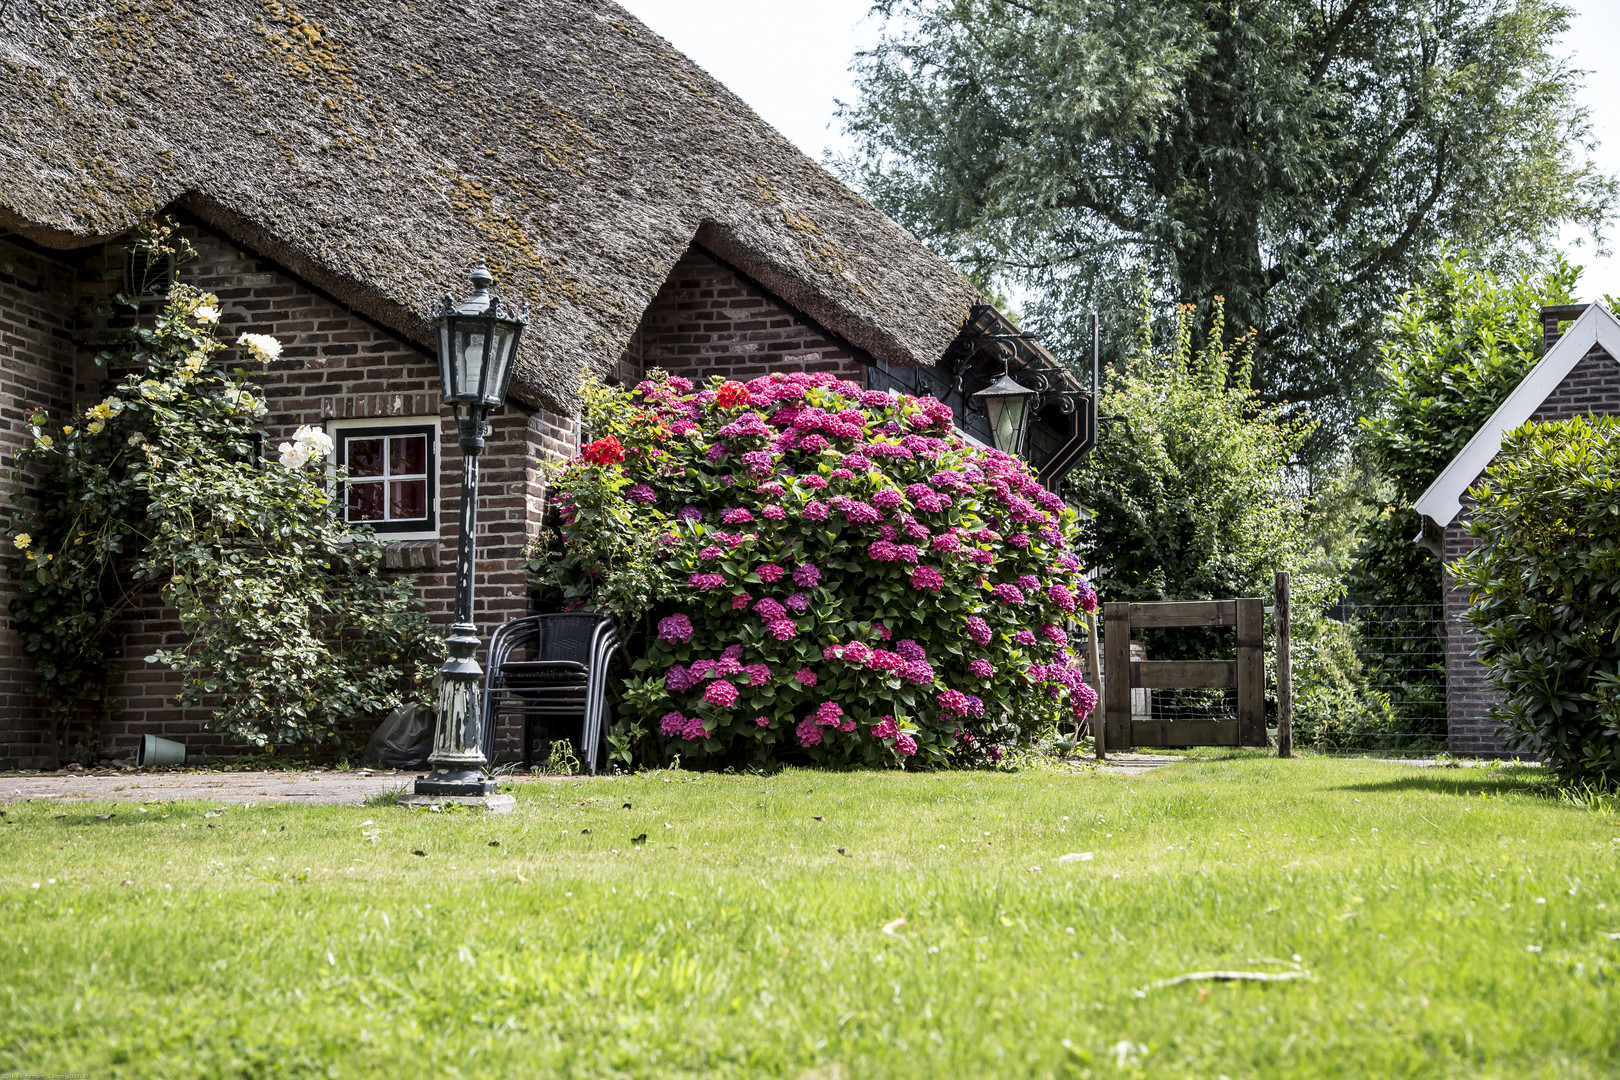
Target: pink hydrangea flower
[(1008, 593), (885, 728), (917, 672), (798, 601), (883, 631), (769, 572), (641, 493), (806, 576), (951, 701), (1083, 699), (815, 510), (841, 474), (905, 744), (887, 499), (678, 680), (762, 721), (805, 677), (1054, 633), (706, 581), (1029, 583), (675, 628), (773, 513), (782, 629), (672, 724), (737, 515), (813, 481), (978, 630), (927, 578), (884, 660), (981, 669), (711, 552), (740, 601), (857, 654), (809, 732), (1024, 637), (758, 674), (1062, 597), (769, 610), (721, 693), (910, 650)]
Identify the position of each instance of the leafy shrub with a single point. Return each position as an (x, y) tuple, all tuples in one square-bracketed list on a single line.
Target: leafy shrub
[(1457, 345), (291, 632), (832, 572), (1544, 585), (1201, 497)]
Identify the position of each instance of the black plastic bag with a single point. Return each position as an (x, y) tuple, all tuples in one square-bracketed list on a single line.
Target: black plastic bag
[(402, 741)]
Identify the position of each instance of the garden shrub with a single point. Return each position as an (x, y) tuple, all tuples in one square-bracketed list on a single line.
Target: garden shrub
[(1544, 588), (1199, 495), (292, 634), (823, 571)]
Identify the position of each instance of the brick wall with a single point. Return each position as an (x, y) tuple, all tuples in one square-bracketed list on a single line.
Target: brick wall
[(334, 365), (1591, 388), (36, 369), (709, 319)]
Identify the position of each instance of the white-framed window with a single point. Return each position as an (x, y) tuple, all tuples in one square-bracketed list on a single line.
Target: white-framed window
[(393, 474)]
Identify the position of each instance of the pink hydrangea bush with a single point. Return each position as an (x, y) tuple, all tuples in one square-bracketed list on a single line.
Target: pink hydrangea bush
[(822, 571)]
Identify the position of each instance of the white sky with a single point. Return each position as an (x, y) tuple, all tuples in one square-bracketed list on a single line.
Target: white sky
[(790, 59)]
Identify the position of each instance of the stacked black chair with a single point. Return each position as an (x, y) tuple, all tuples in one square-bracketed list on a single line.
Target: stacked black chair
[(552, 668)]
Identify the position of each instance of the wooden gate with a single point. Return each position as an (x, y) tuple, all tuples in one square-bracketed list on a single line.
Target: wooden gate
[(1246, 674)]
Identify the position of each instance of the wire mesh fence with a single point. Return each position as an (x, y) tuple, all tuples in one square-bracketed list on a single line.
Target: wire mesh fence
[(1390, 696)]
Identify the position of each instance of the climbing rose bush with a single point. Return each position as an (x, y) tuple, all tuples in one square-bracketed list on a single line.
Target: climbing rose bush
[(821, 570)]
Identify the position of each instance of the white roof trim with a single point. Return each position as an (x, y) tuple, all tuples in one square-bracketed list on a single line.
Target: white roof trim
[(1442, 502)]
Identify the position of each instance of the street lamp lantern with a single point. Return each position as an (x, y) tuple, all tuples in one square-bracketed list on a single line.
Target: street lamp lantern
[(478, 341), (1007, 403)]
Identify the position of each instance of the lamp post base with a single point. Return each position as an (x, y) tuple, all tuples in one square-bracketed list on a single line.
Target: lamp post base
[(456, 783)]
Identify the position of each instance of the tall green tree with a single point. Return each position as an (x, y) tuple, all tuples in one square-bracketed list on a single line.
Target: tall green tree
[(1301, 158)]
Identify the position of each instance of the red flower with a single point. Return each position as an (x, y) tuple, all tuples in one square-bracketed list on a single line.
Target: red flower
[(731, 394), (604, 451)]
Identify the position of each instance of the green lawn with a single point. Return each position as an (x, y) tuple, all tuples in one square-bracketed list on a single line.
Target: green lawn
[(1454, 922)]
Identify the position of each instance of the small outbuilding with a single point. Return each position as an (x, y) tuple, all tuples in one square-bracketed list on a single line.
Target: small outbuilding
[(1578, 375)]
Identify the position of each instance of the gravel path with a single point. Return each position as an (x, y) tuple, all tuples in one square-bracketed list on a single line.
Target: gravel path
[(310, 788)]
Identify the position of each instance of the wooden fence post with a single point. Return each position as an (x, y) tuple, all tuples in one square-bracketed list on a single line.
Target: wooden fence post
[(1094, 665), (1117, 685), (1285, 667), (1251, 671)]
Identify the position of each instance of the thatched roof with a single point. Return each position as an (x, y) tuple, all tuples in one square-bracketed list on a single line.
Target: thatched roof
[(378, 148)]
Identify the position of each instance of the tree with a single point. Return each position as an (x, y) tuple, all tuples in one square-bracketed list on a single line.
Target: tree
[(1301, 158)]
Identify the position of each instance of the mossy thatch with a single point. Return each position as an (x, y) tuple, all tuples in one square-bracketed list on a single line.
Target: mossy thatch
[(378, 148)]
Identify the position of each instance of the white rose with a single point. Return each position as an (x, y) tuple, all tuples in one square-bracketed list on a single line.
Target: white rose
[(208, 313), (263, 347)]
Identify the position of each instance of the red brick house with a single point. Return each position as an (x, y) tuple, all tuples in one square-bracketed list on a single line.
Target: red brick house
[(338, 167), (1579, 375)]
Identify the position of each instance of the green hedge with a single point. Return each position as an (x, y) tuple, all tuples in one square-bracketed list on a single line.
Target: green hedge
[(1545, 592)]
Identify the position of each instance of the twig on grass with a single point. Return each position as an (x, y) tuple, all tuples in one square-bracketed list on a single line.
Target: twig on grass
[(1224, 976)]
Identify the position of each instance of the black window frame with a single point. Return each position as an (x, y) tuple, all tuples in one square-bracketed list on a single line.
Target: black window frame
[(340, 441)]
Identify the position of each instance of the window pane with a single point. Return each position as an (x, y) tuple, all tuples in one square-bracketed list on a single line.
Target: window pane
[(365, 457), (407, 455), (366, 501), (407, 500)]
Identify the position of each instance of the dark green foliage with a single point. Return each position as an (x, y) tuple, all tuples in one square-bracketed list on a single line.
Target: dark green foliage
[(1457, 345), (1198, 499), (1301, 159), (1545, 591)]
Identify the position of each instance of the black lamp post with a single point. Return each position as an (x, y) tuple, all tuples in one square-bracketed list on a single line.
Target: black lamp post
[(1007, 403), (478, 340)]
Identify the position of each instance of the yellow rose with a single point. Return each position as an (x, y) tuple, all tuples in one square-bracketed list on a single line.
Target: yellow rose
[(21, 541), (94, 427)]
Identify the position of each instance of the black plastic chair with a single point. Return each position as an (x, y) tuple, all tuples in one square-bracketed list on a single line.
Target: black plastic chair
[(551, 667)]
